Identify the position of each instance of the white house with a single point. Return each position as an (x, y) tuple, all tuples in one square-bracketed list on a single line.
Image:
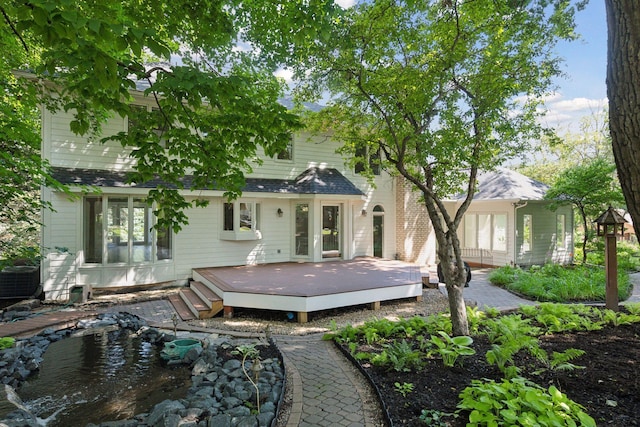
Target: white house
[(510, 223), (306, 206)]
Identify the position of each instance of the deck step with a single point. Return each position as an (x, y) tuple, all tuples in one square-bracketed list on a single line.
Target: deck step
[(205, 293), (181, 307), (201, 301)]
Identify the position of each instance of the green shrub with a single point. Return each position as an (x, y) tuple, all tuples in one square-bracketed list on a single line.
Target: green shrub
[(7, 342), (567, 317), (504, 275), (399, 356), (628, 255), (557, 283), (451, 348), (518, 402)]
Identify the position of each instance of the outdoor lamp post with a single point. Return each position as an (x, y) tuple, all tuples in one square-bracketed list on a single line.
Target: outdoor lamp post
[(609, 224)]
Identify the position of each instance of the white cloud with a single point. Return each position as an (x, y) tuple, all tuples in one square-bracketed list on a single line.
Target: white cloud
[(285, 74), (579, 104), (568, 113), (345, 4)]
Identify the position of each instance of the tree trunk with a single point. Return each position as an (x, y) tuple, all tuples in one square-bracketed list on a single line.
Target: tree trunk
[(455, 278), (623, 90), (458, 309), (586, 236)]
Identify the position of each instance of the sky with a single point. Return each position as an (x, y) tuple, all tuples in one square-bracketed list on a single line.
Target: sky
[(582, 92)]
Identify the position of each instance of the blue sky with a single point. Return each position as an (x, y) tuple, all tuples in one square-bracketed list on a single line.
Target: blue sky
[(583, 92)]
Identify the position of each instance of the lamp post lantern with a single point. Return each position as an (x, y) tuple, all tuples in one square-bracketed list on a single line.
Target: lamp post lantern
[(610, 223)]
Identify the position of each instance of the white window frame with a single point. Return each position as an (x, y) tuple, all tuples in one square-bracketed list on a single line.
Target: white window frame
[(160, 131), (130, 232), (238, 232), (530, 241), (286, 155), (371, 157), (472, 228)]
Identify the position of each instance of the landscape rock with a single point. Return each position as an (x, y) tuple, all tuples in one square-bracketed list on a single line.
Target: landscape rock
[(220, 394)]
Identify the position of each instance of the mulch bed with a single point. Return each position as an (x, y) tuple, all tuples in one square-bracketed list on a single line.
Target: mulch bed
[(608, 387)]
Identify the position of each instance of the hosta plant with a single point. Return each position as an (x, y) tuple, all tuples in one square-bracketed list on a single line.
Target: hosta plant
[(519, 402)]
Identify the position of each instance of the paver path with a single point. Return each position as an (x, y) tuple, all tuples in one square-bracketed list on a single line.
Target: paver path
[(328, 390)]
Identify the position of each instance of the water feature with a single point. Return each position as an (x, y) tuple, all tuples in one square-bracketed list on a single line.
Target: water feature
[(102, 376)]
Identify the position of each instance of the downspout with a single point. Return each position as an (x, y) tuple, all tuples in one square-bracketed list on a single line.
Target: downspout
[(517, 205)]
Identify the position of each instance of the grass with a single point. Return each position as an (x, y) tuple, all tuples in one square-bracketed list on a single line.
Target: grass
[(557, 283)]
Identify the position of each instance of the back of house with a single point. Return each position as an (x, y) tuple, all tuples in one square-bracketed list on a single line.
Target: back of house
[(302, 205)]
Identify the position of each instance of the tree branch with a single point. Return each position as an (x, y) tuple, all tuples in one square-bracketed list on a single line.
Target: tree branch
[(14, 30)]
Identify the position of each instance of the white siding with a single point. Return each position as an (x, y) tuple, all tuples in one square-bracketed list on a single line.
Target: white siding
[(60, 249), (545, 248), (65, 149), (199, 243)]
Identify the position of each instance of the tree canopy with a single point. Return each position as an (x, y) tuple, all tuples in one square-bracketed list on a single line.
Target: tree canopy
[(591, 187), (218, 100), (443, 89), (552, 154)]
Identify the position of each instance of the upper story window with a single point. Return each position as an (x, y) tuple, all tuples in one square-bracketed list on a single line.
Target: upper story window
[(287, 153), (161, 126), (151, 117), (240, 221), (371, 155)]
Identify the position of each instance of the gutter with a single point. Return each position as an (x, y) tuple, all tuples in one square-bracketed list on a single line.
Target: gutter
[(516, 205)]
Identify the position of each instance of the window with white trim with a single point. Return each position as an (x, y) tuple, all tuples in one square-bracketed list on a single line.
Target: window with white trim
[(149, 116), (560, 231), (287, 152), (120, 230), (485, 231), (240, 220), (369, 155), (527, 232)]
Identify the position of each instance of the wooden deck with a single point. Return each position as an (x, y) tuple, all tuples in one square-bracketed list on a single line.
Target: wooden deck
[(308, 287)]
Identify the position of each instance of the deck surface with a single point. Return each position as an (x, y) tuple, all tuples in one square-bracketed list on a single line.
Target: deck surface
[(314, 279)]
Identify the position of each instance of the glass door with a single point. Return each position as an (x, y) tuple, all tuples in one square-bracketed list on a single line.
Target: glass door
[(302, 230), (331, 231), (378, 231)]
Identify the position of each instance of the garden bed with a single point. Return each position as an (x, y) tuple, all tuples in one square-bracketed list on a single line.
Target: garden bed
[(605, 380)]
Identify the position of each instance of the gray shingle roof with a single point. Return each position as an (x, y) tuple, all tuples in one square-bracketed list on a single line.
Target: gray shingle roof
[(311, 181), (505, 184)]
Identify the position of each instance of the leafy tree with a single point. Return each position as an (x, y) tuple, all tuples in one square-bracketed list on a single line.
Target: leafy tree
[(442, 89), (553, 153), (623, 87), (22, 171), (217, 102), (590, 187)]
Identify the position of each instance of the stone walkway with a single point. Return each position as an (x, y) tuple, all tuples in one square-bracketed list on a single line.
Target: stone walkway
[(327, 390)]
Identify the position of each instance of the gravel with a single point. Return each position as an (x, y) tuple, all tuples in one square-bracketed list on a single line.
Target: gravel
[(278, 323)]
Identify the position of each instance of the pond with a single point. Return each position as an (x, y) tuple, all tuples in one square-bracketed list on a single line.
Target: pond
[(104, 376)]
